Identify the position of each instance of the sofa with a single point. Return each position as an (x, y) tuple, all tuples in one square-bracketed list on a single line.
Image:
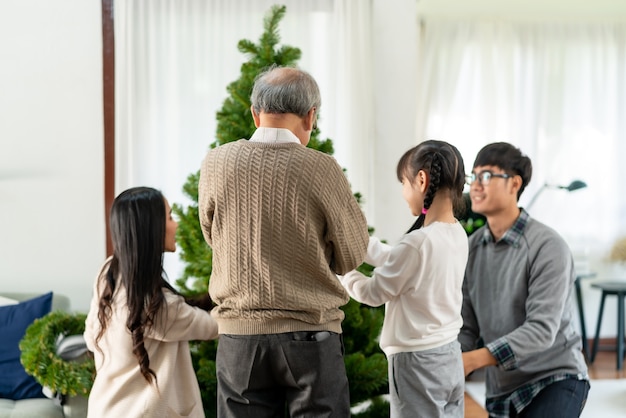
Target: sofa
[(17, 311)]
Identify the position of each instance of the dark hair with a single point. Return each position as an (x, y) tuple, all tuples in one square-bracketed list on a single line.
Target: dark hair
[(137, 224), (508, 158), (444, 165), (285, 90)]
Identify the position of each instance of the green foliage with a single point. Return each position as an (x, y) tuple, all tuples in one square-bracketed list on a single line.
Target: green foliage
[(234, 120), (39, 358), (203, 358), (366, 365), (470, 221), (196, 254)]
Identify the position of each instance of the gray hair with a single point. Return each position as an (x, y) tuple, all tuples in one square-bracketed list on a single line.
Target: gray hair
[(281, 90)]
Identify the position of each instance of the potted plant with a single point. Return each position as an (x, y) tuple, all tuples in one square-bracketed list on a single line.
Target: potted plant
[(618, 251)]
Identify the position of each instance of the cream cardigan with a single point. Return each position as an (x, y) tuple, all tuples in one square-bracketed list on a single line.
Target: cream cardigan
[(119, 389)]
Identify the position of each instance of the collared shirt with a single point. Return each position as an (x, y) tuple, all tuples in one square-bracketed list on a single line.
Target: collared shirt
[(274, 135), (514, 234), (500, 348)]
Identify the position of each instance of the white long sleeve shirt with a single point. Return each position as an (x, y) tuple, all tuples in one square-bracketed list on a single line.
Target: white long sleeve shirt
[(420, 282)]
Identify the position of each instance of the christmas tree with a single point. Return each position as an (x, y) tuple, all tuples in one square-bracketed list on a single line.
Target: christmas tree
[(366, 365)]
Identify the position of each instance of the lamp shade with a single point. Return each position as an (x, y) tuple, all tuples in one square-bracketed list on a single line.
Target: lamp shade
[(575, 185)]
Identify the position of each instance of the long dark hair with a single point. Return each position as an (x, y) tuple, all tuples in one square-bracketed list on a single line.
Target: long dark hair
[(137, 224), (444, 165)]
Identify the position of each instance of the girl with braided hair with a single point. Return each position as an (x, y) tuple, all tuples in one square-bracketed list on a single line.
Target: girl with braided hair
[(138, 326), (420, 282)]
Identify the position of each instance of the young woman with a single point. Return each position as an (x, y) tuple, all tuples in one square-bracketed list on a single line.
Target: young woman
[(138, 326), (420, 281)]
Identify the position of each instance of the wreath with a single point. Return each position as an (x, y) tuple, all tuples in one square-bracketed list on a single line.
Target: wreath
[(40, 359)]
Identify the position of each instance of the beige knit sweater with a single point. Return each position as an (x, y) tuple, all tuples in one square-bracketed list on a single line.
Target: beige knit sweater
[(282, 222)]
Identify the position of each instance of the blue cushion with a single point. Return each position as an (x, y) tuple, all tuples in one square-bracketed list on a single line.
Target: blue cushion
[(14, 319)]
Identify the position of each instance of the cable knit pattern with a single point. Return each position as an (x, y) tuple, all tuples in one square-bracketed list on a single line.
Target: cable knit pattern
[(282, 222)]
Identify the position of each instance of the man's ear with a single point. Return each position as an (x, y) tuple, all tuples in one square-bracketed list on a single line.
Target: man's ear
[(255, 117), (309, 120), (516, 183)]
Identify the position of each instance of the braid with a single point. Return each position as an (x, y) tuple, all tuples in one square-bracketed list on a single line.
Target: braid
[(435, 180), (443, 164), (433, 186), (419, 222)]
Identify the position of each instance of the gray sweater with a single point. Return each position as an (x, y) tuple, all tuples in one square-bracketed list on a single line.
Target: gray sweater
[(517, 301)]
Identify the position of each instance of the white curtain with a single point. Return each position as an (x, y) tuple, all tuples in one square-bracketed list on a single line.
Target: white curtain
[(557, 91), (174, 59), (352, 120)]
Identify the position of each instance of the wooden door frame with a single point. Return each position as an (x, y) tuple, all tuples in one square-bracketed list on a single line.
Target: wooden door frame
[(108, 84)]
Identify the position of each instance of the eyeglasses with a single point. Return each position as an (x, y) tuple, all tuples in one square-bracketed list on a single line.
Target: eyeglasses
[(484, 177)]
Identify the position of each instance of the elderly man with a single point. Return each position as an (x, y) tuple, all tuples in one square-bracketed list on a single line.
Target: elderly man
[(282, 222)]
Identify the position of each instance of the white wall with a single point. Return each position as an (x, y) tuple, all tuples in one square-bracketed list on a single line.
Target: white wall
[(52, 231)]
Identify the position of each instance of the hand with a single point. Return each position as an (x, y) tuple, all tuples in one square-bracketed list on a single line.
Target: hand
[(477, 359), (203, 302), (467, 366)]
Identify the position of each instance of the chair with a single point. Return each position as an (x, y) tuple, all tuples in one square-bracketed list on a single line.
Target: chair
[(611, 288), (581, 311)]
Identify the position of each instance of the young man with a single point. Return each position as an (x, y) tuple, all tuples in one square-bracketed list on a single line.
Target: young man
[(516, 299), (282, 222)]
